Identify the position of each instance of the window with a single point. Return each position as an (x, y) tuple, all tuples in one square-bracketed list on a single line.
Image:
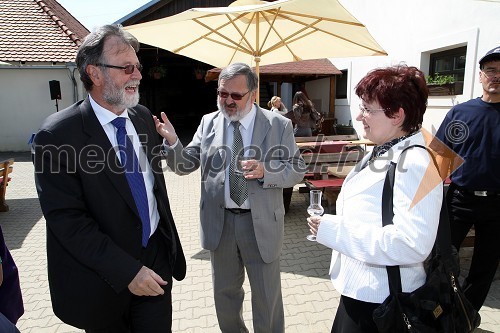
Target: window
[(450, 62), (341, 85)]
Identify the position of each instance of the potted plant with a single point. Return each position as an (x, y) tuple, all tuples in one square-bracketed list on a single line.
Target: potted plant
[(440, 85), (199, 73), (157, 72)]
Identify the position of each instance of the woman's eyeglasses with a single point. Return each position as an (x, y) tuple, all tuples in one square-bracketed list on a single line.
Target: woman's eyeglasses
[(234, 96), (367, 112), (129, 69)]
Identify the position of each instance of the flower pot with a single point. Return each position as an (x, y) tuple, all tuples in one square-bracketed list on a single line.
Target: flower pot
[(441, 89)]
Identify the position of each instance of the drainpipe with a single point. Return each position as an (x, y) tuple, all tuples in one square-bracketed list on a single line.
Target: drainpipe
[(71, 71)]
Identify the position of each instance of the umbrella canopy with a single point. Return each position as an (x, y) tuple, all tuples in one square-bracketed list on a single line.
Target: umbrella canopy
[(261, 33)]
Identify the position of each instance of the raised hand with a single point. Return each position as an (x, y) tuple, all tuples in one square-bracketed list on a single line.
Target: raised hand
[(165, 128)]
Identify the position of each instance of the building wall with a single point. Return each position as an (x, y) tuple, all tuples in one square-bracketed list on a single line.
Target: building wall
[(25, 96), (409, 31)]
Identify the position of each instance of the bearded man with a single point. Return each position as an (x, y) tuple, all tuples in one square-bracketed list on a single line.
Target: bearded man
[(247, 155), (112, 245)]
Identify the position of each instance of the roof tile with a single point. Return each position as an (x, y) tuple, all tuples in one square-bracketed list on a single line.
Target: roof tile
[(38, 30)]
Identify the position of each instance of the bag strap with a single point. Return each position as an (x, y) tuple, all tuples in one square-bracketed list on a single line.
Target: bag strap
[(443, 240)]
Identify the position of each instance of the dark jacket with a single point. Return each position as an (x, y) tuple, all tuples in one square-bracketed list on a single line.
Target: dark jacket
[(11, 301), (93, 227)]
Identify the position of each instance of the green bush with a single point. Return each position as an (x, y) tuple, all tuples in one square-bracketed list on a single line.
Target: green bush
[(439, 79)]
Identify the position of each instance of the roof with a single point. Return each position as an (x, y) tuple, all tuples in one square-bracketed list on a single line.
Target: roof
[(138, 11), (38, 30), (286, 71)]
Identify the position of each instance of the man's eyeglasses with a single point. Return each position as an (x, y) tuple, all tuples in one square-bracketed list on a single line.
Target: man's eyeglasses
[(490, 72), (367, 112), (129, 69), (234, 96)]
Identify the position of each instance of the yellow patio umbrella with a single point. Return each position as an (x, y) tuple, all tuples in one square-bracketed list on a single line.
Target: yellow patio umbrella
[(261, 33)]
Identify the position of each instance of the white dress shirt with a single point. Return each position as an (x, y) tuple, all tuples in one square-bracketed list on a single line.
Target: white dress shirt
[(105, 118)]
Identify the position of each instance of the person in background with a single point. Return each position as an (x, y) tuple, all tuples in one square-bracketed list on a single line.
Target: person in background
[(393, 102), (471, 130), (276, 105), (241, 213), (112, 245), (11, 300), (303, 114)]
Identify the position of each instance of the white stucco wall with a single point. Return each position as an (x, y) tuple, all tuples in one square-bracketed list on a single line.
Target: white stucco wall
[(318, 91), (409, 31), (25, 101)]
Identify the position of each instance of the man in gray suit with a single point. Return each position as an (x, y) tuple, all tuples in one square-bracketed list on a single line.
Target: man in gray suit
[(241, 213)]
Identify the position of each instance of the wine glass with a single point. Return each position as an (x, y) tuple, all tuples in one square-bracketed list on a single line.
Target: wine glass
[(315, 208), (238, 168)]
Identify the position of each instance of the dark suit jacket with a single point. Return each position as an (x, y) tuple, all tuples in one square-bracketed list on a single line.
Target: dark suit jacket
[(93, 227)]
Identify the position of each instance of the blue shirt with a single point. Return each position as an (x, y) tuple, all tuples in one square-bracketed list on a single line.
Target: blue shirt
[(472, 130)]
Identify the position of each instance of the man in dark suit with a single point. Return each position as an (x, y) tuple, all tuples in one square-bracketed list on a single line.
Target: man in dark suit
[(112, 244), (241, 213)]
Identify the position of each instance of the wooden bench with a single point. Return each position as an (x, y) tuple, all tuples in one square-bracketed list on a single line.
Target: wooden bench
[(470, 238), (5, 169)]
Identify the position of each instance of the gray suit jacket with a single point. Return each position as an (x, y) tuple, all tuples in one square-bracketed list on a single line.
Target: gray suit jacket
[(274, 144)]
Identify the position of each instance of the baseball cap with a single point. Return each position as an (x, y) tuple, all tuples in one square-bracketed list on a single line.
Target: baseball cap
[(490, 55)]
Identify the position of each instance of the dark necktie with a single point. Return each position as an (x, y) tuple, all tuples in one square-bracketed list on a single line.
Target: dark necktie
[(237, 183), (134, 176)]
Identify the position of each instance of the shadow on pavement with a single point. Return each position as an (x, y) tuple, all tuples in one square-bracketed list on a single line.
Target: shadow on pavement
[(16, 224), (299, 256)]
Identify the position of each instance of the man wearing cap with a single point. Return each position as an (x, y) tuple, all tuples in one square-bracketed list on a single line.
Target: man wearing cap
[(471, 130)]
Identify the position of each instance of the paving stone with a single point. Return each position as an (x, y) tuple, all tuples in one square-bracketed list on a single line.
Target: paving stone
[(309, 298)]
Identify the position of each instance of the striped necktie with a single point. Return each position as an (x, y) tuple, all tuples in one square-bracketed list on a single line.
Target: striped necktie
[(237, 183)]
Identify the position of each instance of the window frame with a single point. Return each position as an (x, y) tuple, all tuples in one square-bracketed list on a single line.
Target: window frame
[(451, 56)]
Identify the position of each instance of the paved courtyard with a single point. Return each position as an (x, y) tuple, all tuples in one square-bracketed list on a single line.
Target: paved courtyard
[(309, 298)]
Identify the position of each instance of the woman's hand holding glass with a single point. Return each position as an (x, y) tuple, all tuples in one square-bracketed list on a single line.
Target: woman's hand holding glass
[(313, 222), (315, 210)]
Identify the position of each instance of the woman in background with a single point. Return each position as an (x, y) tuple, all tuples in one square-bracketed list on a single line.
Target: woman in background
[(276, 105), (393, 102), (304, 115)]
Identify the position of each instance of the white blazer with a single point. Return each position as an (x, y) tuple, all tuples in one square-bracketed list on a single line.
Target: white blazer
[(361, 246)]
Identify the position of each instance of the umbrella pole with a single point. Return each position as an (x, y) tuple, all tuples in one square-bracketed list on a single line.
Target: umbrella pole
[(257, 98)]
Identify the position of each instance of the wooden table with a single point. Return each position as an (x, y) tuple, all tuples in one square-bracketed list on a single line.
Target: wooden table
[(318, 163), (330, 187), (362, 142), (340, 171), (323, 146), (321, 137)]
